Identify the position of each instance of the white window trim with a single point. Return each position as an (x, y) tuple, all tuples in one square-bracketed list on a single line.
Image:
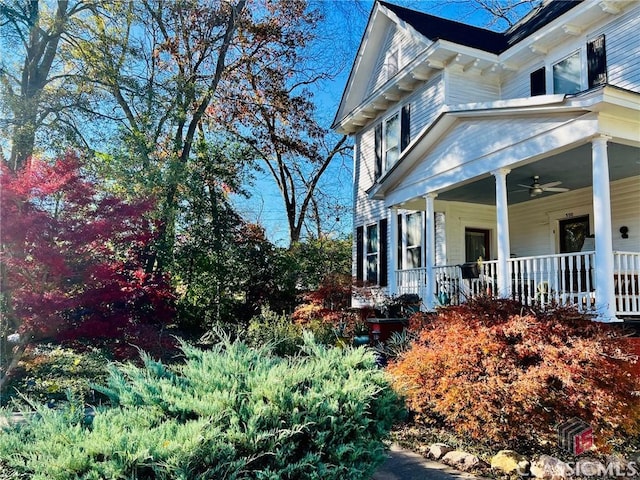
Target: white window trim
[(405, 237), (582, 53), (367, 253)]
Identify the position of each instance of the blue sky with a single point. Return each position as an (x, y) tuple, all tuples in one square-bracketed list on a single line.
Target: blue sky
[(341, 35)]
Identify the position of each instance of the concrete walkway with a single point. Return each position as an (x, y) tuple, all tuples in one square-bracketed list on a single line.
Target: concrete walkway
[(403, 464)]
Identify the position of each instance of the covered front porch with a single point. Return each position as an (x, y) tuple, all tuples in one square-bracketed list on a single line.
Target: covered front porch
[(545, 280), (551, 196)]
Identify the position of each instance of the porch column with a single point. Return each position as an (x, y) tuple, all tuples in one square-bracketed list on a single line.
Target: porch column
[(502, 217), (603, 262), (428, 294), (393, 252)]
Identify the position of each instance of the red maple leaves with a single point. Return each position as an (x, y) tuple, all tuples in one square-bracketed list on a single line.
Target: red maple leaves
[(73, 258)]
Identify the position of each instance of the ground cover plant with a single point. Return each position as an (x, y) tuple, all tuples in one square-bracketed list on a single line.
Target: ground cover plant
[(506, 376), (229, 412), (47, 373)]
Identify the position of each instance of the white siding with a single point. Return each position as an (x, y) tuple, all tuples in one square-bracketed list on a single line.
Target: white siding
[(469, 88), (426, 104), (623, 55), (518, 84), (533, 224), (397, 39), (623, 50), (366, 210), (458, 217)]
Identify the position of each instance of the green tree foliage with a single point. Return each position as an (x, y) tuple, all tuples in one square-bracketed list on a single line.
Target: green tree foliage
[(39, 94), (320, 259), (229, 413)]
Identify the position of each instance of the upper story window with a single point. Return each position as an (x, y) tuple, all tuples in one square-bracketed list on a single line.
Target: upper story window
[(567, 74), (583, 69), (391, 140), (392, 135)]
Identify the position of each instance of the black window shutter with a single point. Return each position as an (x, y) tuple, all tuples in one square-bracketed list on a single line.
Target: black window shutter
[(597, 62), (360, 254), (378, 149), (399, 241), (405, 126), (382, 235), (538, 82)]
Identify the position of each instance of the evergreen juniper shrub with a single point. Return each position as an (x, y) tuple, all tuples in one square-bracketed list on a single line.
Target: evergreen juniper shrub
[(506, 375), (227, 413)]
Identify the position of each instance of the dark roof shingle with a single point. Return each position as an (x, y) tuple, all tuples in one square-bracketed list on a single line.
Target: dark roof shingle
[(435, 28)]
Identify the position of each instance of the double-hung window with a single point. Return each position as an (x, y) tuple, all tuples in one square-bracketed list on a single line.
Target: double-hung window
[(413, 240), (392, 62), (409, 240), (580, 70), (372, 254), (391, 140), (392, 135)]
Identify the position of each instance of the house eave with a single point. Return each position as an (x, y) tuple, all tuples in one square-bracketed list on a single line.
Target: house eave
[(423, 68), (622, 103)]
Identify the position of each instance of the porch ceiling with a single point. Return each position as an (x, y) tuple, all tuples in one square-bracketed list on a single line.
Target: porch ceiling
[(572, 168)]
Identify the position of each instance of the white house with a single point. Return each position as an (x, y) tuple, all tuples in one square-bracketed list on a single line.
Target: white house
[(502, 163)]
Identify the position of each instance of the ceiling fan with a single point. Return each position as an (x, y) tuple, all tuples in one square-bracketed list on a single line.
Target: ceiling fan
[(536, 188)]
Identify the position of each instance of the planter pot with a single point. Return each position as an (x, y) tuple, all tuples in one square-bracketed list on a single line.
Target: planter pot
[(360, 340), (380, 329)]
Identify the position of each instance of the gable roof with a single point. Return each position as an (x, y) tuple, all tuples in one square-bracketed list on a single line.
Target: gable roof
[(437, 28), (442, 37)]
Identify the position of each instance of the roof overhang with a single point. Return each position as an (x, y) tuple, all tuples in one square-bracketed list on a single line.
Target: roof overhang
[(354, 114), (423, 68), (610, 102)]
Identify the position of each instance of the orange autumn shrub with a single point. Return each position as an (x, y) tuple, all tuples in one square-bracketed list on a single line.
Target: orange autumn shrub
[(505, 375)]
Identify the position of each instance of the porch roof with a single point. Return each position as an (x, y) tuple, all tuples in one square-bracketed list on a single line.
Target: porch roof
[(512, 134)]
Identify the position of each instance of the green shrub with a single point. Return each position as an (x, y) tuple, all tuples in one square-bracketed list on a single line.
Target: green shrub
[(285, 336), (496, 373), (228, 413), (269, 328)]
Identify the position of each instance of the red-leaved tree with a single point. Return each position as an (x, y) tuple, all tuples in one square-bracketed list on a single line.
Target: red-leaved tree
[(71, 262)]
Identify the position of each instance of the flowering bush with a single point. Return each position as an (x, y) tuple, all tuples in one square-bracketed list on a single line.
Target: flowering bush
[(491, 371)]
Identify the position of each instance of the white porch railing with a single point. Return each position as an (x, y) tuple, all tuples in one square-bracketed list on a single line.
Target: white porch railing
[(626, 266), (560, 279)]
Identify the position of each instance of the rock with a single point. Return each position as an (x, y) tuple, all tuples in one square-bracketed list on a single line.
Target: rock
[(550, 468), (508, 461), (438, 450), (461, 460)]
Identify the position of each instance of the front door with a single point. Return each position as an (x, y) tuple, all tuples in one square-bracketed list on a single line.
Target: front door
[(573, 232), (477, 242)]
